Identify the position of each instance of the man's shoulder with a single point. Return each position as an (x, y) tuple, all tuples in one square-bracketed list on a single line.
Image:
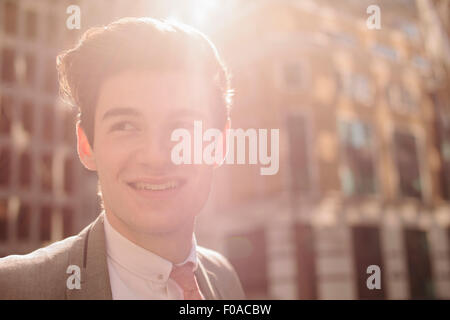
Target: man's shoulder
[(41, 273), (55, 252), (221, 269)]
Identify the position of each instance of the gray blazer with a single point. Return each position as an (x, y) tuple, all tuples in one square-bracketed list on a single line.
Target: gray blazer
[(42, 274)]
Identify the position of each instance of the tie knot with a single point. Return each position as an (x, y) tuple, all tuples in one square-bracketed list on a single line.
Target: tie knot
[(185, 278), (183, 275)]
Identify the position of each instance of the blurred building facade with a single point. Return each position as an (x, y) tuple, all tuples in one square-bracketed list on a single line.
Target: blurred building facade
[(45, 194), (42, 187), (363, 174), (364, 119)]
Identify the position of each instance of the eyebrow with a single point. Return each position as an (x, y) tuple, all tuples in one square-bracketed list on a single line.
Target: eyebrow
[(120, 111)]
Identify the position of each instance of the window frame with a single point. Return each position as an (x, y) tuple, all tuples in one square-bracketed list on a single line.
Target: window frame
[(313, 172), (419, 135), (375, 151)]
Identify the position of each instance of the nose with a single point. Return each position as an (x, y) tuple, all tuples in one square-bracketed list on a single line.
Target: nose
[(153, 153)]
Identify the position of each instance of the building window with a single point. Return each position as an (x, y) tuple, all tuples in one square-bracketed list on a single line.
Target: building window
[(46, 173), (3, 219), (357, 87), (27, 117), (408, 101), (24, 222), (366, 252), (51, 77), (69, 127), (5, 169), (47, 122), (292, 76), (385, 51), (30, 65), (357, 172), (361, 89), (247, 253), (341, 38), (444, 135), (419, 267), (306, 262), (410, 29), (25, 170), (68, 175), (448, 241), (10, 18), (51, 32), (400, 99), (421, 62), (30, 25), (299, 153), (406, 157), (45, 223), (6, 109), (8, 65)]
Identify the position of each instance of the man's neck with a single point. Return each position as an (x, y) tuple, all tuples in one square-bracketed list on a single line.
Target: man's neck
[(172, 246)]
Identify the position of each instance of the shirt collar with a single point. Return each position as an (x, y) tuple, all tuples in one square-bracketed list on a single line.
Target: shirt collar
[(140, 261)]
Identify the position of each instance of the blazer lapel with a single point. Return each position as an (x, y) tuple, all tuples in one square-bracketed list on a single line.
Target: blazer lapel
[(94, 269), (206, 282)]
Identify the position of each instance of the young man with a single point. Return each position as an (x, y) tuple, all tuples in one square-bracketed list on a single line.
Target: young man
[(135, 81)]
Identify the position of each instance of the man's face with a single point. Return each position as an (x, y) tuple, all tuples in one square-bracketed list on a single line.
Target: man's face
[(135, 115)]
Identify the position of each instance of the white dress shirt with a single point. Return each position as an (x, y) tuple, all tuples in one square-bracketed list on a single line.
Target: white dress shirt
[(136, 273)]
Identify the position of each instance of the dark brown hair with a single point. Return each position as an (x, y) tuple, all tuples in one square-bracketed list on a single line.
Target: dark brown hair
[(138, 43)]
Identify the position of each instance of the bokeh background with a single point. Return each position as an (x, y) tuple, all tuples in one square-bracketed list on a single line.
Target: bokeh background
[(364, 119)]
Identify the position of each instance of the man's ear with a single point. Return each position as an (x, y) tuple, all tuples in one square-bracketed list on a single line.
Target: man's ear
[(84, 149), (224, 143)]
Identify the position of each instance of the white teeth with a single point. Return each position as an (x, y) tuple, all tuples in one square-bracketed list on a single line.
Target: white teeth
[(149, 186)]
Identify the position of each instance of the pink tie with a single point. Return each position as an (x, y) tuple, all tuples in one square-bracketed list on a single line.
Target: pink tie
[(185, 278)]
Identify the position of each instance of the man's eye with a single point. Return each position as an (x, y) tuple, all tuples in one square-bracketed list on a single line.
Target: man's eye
[(123, 126)]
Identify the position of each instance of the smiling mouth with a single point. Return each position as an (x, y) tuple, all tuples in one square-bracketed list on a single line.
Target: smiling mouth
[(169, 185)]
